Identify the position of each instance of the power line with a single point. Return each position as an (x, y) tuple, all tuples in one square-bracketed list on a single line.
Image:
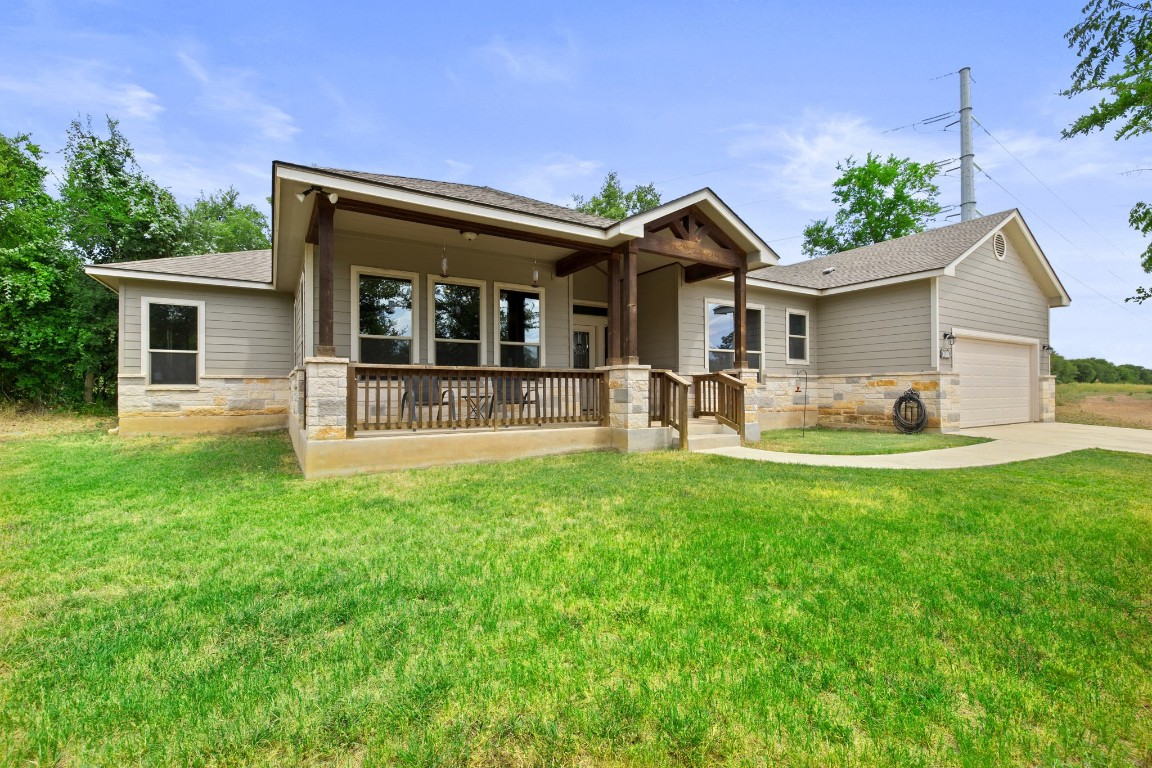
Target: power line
[(1050, 190), (1061, 234)]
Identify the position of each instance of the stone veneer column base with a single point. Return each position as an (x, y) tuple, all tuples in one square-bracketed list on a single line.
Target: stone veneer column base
[(856, 401), (326, 404), (215, 404), (1047, 399), (751, 379), (628, 410)]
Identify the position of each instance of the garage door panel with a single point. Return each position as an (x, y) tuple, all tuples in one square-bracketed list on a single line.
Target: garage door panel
[(996, 382)]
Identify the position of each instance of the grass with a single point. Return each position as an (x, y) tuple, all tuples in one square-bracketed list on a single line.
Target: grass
[(848, 442), (1106, 405), (195, 602)]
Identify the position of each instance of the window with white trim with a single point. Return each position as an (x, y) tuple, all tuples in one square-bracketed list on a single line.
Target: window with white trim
[(796, 328), (520, 318), (457, 321), (720, 319), (383, 319), (173, 335)]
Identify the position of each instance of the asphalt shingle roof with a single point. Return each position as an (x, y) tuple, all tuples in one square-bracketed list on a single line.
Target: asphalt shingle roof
[(247, 266), (922, 252), (482, 195)]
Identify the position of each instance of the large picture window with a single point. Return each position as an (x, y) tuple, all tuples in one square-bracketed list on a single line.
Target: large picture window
[(384, 320), (722, 336), (797, 327), (521, 320), (172, 345), (456, 322)]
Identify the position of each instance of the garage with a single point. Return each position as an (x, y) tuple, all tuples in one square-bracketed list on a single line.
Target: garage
[(997, 380)]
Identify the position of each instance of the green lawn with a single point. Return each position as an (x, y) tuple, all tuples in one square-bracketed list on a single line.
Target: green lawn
[(856, 442), (195, 602)]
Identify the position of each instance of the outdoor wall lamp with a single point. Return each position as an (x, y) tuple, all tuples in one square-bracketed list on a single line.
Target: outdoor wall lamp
[(950, 338), (302, 196), (1045, 348)]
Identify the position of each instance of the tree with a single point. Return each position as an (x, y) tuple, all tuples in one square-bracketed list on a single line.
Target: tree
[(218, 224), (1114, 43), (114, 212), (878, 201), (612, 202), (37, 274)]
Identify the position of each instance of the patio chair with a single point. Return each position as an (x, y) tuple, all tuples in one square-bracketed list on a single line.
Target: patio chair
[(425, 392), (513, 392)]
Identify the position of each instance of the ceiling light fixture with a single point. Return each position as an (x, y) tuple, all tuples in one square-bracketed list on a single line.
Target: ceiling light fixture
[(469, 235)]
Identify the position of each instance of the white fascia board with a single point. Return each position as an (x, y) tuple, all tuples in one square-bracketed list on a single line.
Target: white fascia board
[(759, 283), (1006, 338), (160, 277), (462, 208), (844, 288), (910, 278)]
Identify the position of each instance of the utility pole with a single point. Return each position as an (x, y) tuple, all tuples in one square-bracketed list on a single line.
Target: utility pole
[(967, 177)]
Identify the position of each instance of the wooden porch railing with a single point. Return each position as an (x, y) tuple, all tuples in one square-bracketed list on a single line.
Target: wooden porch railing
[(668, 403), (722, 396), (390, 397)]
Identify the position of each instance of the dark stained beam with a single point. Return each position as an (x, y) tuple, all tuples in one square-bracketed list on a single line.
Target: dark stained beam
[(630, 346), (715, 232), (436, 220), (313, 235), (614, 264), (688, 250), (699, 272), (741, 319), (574, 262), (325, 347)]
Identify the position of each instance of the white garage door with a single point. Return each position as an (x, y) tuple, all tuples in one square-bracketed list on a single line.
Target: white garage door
[(995, 382)]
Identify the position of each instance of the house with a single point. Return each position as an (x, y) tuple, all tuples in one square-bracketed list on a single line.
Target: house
[(401, 322)]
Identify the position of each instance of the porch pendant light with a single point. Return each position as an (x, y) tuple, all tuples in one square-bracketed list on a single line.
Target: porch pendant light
[(535, 275), (443, 260)]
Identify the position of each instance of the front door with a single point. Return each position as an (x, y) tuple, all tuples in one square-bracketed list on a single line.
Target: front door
[(588, 344)]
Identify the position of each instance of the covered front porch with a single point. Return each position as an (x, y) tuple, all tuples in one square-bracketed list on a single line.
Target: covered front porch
[(470, 329)]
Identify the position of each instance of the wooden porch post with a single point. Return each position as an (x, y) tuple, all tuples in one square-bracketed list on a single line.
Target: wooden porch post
[(631, 337), (325, 345), (614, 308), (740, 324)]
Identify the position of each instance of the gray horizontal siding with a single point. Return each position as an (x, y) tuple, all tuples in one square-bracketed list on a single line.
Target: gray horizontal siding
[(884, 330), (656, 319), (995, 296), (246, 333), (693, 334)]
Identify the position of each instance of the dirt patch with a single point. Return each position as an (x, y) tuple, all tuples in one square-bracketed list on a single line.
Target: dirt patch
[(17, 424), (1109, 410)]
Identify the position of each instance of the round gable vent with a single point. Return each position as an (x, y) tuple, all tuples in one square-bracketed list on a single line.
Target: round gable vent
[(999, 246)]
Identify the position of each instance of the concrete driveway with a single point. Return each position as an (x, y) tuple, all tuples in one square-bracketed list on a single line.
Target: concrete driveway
[(1010, 442)]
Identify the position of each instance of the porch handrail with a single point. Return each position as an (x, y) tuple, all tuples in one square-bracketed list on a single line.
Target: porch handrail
[(722, 396), (668, 402), (390, 397)]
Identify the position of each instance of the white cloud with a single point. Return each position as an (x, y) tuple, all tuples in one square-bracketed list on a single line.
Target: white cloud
[(532, 62), (84, 86), (457, 171), (555, 179), (230, 93), (800, 157)]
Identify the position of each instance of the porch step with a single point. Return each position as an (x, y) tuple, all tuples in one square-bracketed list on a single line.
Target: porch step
[(708, 433), (704, 442)]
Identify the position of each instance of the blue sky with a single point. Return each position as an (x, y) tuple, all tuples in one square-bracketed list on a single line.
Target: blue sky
[(756, 100)]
